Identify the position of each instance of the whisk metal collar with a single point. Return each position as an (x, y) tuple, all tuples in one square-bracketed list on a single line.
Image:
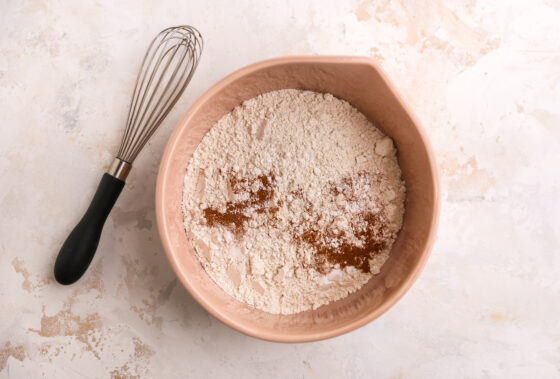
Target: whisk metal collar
[(119, 169)]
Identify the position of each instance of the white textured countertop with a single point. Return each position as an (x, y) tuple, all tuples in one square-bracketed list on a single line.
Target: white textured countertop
[(485, 81)]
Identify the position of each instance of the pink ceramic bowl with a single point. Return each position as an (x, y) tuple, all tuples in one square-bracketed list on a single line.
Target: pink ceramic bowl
[(361, 82)]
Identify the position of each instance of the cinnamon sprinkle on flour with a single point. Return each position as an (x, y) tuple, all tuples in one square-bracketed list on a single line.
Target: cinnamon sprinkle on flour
[(293, 200)]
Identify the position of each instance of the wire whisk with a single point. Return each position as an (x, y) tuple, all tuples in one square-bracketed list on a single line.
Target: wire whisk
[(166, 70)]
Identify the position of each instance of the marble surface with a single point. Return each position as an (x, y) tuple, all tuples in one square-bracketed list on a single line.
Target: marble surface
[(483, 77)]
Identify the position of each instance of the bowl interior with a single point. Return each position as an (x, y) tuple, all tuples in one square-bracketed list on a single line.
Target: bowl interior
[(360, 82)]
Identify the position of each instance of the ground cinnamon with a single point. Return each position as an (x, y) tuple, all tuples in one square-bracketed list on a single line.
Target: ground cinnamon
[(237, 212), (333, 250)]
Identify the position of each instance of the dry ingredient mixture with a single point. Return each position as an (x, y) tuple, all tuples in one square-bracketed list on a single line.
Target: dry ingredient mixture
[(293, 200)]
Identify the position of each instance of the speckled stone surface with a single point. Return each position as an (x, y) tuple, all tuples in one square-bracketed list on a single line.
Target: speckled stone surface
[(483, 77)]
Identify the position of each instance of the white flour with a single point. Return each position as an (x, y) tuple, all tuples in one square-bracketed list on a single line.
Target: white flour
[(293, 200)]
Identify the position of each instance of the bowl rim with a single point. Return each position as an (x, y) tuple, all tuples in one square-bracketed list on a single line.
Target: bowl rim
[(163, 173)]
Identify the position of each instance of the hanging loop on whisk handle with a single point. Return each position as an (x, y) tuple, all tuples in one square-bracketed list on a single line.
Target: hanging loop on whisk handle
[(79, 248)]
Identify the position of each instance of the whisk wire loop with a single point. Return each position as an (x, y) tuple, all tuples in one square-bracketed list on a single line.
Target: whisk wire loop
[(166, 70)]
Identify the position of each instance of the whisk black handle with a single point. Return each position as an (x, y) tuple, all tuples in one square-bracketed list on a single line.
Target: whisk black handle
[(79, 248)]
